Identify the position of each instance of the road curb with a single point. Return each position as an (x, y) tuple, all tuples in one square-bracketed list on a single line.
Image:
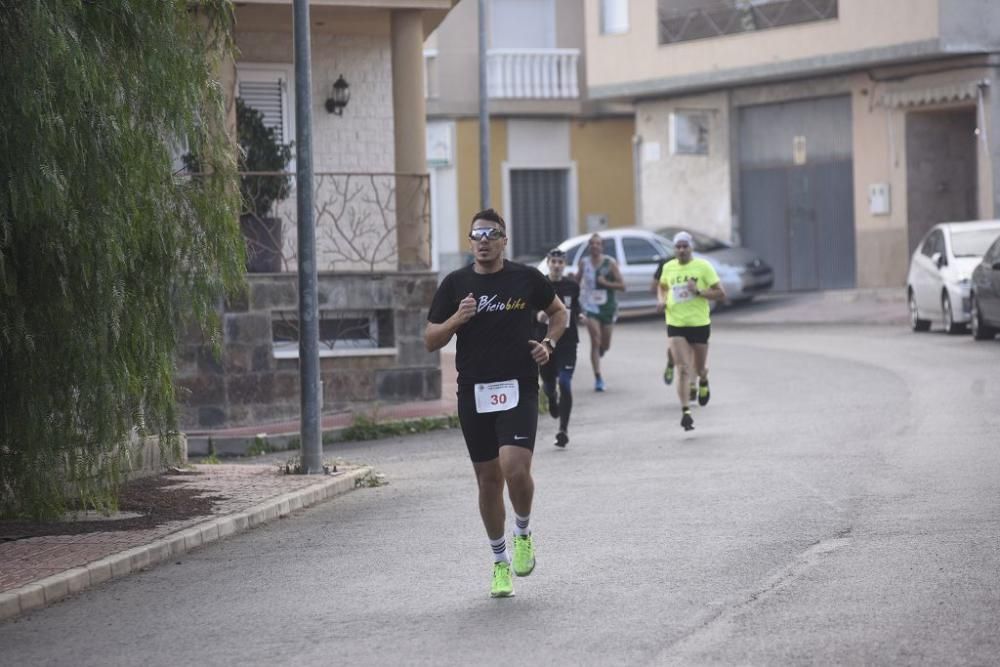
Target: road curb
[(45, 591), (282, 440)]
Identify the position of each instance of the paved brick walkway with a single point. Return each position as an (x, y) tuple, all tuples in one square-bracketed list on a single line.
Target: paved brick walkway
[(240, 487)]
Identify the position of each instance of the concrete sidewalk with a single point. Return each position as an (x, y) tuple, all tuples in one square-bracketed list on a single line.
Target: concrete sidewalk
[(851, 306), (832, 307), (37, 571)]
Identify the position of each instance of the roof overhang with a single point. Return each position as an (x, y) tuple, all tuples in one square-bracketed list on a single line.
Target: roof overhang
[(910, 96), (779, 71), (339, 16)]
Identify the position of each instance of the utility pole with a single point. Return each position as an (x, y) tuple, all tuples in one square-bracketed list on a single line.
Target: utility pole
[(312, 459), (484, 111)]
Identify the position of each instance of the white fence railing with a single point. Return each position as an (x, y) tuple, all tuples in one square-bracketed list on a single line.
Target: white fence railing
[(533, 73)]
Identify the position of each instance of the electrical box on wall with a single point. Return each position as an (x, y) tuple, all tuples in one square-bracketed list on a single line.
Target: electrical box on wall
[(596, 222), (878, 199)]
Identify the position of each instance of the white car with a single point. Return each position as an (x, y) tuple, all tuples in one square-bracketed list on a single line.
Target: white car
[(940, 271), (638, 253)]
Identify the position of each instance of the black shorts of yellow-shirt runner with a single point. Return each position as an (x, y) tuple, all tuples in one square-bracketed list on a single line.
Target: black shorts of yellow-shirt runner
[(486, 432), (693, 335)]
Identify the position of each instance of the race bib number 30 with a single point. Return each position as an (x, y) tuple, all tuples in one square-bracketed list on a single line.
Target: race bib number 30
[(682, 293), (497, 396)]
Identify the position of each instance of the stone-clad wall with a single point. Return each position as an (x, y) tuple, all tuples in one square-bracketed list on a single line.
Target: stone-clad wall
[(247, 385)]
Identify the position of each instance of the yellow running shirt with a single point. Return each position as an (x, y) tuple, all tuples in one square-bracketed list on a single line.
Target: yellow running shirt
[(684, 309)]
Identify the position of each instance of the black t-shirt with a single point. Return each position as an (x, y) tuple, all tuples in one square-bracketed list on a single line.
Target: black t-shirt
[(493, 345), (568, 291)]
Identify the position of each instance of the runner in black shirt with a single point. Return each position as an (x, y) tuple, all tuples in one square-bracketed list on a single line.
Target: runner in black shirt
[(668, 374), (563, 363), (490, 305)]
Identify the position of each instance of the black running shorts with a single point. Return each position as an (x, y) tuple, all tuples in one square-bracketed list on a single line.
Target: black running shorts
[(693, 335), (484, 433), (563, 361)]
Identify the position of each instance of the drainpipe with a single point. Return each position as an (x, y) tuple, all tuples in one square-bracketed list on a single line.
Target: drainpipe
[(637, 178), (484, 111)]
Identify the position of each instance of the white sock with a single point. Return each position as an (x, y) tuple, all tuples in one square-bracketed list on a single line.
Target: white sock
[(521, 525), (500, 550)]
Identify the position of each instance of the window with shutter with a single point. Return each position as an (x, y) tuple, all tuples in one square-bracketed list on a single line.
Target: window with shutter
[(267, 89)]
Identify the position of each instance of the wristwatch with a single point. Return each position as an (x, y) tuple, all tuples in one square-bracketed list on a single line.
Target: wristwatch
[(550, 343)]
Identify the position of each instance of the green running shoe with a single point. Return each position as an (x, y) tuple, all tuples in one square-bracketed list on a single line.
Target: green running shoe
[(503, 583), (703, 393), (524, 555), (668, 375), (693, 393)]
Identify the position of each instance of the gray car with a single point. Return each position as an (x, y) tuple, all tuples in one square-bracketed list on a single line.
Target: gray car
[(753, 273)]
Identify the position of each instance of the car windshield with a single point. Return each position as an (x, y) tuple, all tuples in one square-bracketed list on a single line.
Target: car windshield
[(973, 242), (702, 243)]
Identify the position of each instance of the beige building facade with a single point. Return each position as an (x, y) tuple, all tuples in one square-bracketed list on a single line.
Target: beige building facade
[(827, 135), (371, 206), (560, 164)]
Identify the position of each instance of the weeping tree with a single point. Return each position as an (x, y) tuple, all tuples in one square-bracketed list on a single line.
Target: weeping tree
[(107, 254)]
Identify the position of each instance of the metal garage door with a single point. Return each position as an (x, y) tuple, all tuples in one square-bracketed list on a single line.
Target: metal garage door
[(797, 192), (539, 210)]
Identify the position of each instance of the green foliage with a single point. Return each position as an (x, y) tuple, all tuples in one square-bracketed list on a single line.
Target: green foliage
[(259, 446), (213, 456), (369, 428), (260, 152), (106, 254)]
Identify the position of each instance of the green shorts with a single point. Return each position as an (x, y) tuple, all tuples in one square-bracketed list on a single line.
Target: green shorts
[(606, 314)]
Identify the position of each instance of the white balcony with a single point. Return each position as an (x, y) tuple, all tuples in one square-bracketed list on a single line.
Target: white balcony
[(533, 73)]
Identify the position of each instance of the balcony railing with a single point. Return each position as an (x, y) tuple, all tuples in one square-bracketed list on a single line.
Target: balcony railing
[(356, 217), (533, 73), (717, 18)]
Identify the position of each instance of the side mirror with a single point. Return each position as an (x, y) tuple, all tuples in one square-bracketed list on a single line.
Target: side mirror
[(939, 260)]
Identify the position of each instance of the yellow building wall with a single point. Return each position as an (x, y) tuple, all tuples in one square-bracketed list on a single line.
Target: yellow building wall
[(467, 166), (602, 151)]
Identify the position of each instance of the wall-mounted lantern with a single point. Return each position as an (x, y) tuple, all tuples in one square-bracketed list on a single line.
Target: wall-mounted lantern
[(340, 96)]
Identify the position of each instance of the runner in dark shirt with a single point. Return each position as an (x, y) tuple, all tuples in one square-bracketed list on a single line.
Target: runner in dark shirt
[(491, 306), (668, 374), (560, 369)]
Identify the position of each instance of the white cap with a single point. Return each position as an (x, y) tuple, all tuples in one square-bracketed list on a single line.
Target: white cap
[(683, 236)]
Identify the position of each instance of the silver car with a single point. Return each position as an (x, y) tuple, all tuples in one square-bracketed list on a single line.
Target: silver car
[(638, 253), (939, 279)]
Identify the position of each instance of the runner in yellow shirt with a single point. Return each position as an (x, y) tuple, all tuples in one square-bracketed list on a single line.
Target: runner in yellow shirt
[(686, 286)]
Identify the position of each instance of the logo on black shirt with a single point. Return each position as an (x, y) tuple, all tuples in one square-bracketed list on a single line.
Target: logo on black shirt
[(490, 304)]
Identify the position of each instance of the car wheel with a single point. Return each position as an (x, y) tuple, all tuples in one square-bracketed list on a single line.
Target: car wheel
[(916, 323), (948, 316), (980, 330)]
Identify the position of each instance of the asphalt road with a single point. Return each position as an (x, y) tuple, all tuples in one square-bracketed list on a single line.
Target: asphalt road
[(838, 503)]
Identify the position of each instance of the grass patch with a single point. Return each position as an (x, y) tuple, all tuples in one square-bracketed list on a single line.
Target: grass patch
[(213, 456), (259, 446), (369, 428)]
